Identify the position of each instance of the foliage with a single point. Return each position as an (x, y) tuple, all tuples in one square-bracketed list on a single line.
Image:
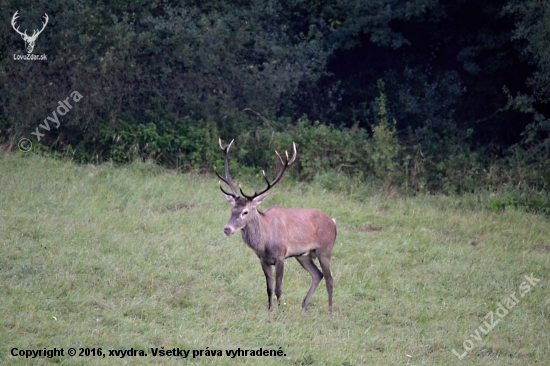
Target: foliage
[(207, 61), (384, 149), (525, 199), (533, 28), (531, 157), (423, 95)]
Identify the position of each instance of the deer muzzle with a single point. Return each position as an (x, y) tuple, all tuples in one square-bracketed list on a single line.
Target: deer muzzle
[(228, 230)]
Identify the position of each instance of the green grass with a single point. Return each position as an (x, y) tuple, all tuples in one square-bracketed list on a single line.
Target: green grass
[(131, 257)]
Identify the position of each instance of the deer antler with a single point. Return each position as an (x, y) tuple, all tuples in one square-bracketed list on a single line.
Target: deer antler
[(13, 19), (284, 165), (227, 179), (43, 26), (24, 34)]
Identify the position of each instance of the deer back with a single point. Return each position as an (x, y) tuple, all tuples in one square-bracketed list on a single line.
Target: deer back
[(295, 231)]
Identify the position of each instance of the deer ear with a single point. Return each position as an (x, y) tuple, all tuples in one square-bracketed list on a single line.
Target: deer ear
[(256, 201), (229, 198)]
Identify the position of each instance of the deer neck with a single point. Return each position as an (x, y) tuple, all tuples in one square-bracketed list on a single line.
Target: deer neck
[(255, 234)]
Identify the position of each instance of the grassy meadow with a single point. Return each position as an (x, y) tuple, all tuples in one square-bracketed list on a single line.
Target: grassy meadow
[(133, 257)]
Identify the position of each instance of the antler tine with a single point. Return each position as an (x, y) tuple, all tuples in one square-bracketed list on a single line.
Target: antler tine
[(284, 165), (293, 154), (227, 179), (37, 32), (13, 21), (46, 18)]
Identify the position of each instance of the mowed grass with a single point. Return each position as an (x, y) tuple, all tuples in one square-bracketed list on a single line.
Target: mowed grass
[(131, 257)]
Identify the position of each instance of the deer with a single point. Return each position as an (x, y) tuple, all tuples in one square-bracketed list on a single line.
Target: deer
[(29, 40), (279, 233)]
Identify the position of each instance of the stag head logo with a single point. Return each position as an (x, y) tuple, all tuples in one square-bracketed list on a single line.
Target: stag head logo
[(29, 40)]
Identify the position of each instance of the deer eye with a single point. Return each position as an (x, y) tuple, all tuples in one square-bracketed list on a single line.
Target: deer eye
[(244, 213)]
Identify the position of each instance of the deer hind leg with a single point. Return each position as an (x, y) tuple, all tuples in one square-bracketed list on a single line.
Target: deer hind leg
[(316, 276), (324, 260)]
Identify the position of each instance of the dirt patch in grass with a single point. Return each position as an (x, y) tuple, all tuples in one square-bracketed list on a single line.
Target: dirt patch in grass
[(367, 228)]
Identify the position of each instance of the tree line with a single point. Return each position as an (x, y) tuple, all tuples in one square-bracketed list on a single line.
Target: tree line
[(422, 94)]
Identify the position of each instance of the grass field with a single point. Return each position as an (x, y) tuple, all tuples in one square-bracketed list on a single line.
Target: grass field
[(134, 258)]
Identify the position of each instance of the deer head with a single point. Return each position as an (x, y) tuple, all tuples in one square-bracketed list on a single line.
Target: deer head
[(29, 40), (244, 208)]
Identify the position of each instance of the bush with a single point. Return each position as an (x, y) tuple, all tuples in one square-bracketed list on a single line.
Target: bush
[(523, 199)]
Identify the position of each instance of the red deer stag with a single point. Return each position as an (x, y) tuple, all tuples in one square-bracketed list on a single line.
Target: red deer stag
[(279, 233)]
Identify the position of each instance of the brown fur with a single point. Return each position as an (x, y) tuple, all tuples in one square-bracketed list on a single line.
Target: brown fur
[(279, 233)]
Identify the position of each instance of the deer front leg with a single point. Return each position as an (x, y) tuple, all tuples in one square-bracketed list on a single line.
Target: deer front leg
[(269, 283), (279, 271)]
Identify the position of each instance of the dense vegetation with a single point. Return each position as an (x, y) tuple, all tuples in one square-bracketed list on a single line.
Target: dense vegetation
[(422, 95)]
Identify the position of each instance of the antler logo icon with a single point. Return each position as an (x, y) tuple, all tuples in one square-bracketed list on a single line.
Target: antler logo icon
[(29, 40)]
